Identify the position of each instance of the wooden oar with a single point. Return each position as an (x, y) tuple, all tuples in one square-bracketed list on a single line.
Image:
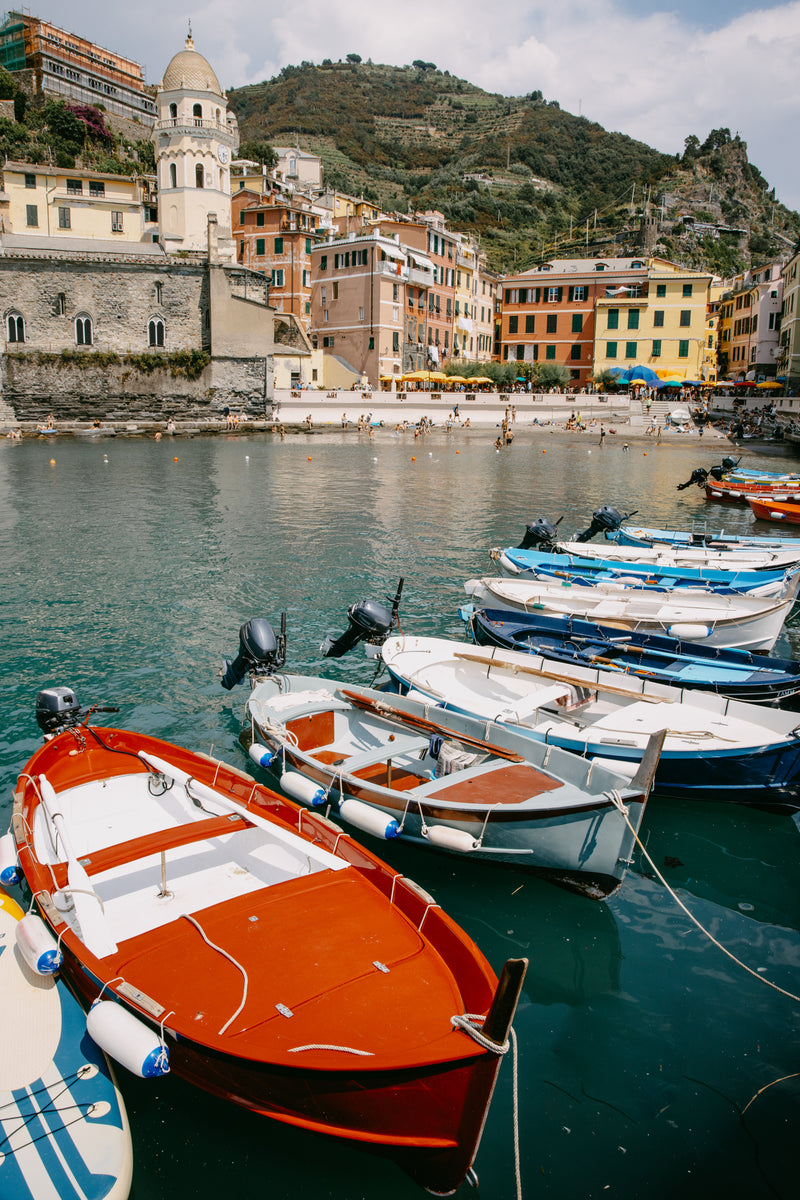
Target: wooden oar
[(88, 905), (388, 710), (520, 668)]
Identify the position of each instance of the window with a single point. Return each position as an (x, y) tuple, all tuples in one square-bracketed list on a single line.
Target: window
[(83, 331), (513, 324), (64, 219), (554, 295), (686, 316), (260, 243), (116, 222), (683, 349), (371, 344), (61, 304), (335, 290), (687, 289), (577, 322), (633, 318), (16, 327), (578, 292), (395, 342), (327, 341), (530, 322), (159, 293), (75, 187), (575, 351), (520, 353), (308, 246), (552, 322), (30, 181), (279, 245), (323, 262), (259, 218), (277, 278), (155, 332), (661, 289), (173, 175), (656, 351), (630, 349), (197, 113), (613, 318), (549, 351), (97, 187), (32, 215), (361, 313), (658, 318), (173, 111)]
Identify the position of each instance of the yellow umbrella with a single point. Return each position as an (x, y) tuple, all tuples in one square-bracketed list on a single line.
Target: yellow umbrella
[(418, 376), (480, 379), (437, 375), (768, 383), (456, 379)]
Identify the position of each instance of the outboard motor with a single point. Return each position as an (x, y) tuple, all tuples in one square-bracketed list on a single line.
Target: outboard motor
[(58, 709), (540, 535), (604, 520), (369, 622), (727, 464), (260, 651), (699, 476)]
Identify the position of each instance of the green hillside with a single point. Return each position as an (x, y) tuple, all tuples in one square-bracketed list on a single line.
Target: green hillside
[(519, 171)]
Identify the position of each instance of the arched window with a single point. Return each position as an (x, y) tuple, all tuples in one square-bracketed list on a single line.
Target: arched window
[(173, 175), (197, 113), (83, 330), (198, 175), (173, 111), (155, 332), (16, 327)]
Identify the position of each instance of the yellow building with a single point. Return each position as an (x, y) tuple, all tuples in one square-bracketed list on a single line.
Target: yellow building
[(50, 202), (660, 323)]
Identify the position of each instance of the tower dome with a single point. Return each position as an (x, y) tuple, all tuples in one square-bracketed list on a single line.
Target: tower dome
[(189, 70)]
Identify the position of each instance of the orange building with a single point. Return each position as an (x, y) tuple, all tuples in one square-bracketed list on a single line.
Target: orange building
[(275, 234)]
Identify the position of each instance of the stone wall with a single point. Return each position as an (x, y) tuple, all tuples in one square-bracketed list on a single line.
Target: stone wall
[(121, 298), (31, 389)]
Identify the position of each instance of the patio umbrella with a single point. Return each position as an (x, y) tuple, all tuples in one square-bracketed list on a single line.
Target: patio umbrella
[(768, 383), (480, 379), (457, 379), (670, 383)]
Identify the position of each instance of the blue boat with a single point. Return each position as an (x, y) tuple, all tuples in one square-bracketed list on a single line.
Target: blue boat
[(735, 673), (646, 536), (532, 564)]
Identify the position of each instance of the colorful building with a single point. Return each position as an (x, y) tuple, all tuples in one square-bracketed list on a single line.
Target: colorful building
[(274, 234), (788, 357), (755, 301), (49, 202)]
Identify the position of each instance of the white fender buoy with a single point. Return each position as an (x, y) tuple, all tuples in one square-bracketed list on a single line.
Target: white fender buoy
[(451, 839), (689, 633), (302, 789), (128, 1040), (37, 945), (262, 756), (371, 820), (9, 863)]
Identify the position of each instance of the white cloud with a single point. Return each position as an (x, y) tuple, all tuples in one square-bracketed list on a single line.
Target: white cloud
[(647, 72)]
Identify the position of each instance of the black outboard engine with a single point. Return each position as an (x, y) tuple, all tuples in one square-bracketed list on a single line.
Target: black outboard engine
[(369, 622), (699, 476), (604, 520), (541, 534), (57, 709), (260, 651), (727, 464)]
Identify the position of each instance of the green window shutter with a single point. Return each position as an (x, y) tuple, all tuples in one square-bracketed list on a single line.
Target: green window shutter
[(613, 318), (611, 349), (530, 323), (260, 246), (308, 245), (633, 318), (559, 293), (630, 349), (656, 352), (279, 245), (577, 322), (550, 352), (658, 318), (683, 349), (686, 317), (571, 295)]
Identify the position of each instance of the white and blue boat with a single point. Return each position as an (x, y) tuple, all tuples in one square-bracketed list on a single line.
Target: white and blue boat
[(722, 540), (735, 673), (63, 1128), (516, 563), (715, 748)]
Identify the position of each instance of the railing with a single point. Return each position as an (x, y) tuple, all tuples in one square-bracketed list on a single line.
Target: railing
[(190, 123)]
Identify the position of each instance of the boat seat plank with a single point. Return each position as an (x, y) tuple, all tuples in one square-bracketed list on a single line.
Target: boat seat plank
[(511, 783), (160, 841)]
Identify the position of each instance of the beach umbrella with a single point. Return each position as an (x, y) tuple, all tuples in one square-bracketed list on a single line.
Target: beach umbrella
[(768, 383), (670, 383), (479, 379)]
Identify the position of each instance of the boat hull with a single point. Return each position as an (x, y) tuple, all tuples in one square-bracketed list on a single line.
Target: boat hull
[(325, 1036), (775, 510)]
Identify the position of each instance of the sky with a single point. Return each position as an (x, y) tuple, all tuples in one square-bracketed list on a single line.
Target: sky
[(655, 70)]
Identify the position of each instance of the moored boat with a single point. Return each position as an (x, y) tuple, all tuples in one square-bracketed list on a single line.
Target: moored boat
[(63, 1126), (275, 961), (736, 673), (715, 748), (396, 768), (733, 620), (532, 564), (730, 491), (775, 510)]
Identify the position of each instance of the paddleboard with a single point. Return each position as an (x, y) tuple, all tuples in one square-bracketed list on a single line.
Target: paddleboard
[(64, 1131)]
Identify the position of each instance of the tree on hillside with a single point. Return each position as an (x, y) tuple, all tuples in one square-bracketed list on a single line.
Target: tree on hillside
[(354, 58)]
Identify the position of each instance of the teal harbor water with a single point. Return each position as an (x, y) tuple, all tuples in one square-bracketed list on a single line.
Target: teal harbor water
[(651, 1065)]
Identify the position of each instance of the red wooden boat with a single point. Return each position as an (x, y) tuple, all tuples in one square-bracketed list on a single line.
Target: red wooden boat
[(728, 491), (775, 510), (276, 961)]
